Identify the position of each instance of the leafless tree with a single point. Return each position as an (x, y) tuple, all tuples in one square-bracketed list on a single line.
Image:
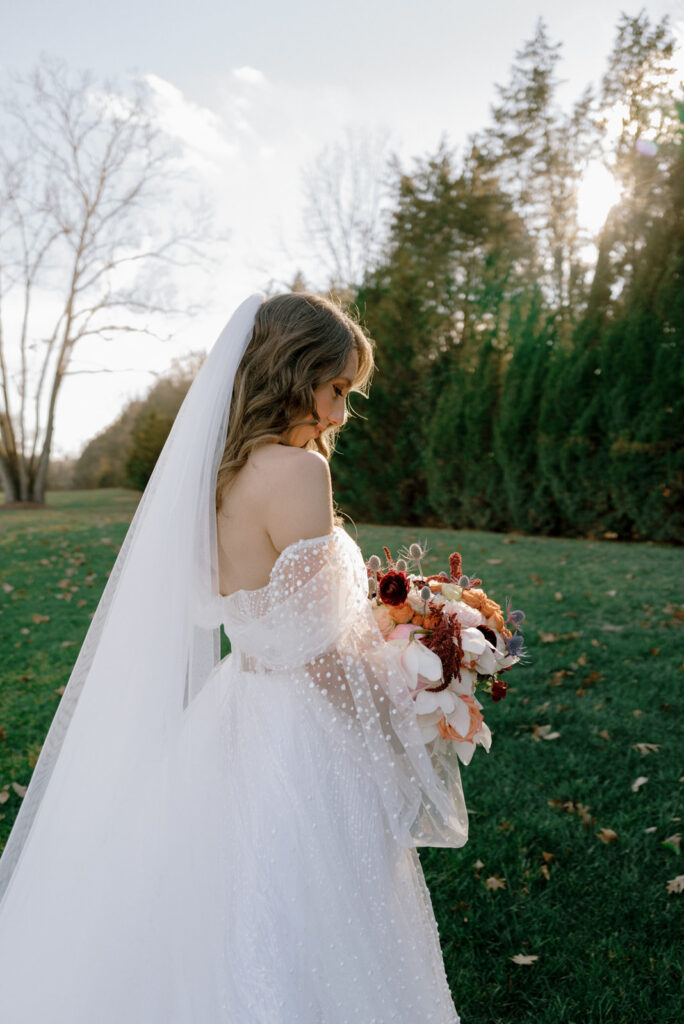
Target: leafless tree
[(84, 250), (345, 199)]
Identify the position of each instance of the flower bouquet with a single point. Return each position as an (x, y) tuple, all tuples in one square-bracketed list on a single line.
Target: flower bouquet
[(450, 638)]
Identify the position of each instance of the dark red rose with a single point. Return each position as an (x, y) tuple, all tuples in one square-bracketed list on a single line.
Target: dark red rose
[(394, 587), (499, 687), (488, 634)]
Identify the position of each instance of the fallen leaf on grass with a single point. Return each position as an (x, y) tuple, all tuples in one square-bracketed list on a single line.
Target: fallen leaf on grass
[(676, 884), (544, 872), (8, 588), (541, 732), (524, 959), (4, 794), (557, 677), (673, 842), (638, 713), (37, 618), (494, 561), (478, 865), (638, 783), (646, 748), (548, 857), (606, 835), (60, 690), (495, 882), (604, 734), (550, 638), (18, 789)]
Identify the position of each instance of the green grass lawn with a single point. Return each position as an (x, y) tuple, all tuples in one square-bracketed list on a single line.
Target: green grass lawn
[(569, 858)]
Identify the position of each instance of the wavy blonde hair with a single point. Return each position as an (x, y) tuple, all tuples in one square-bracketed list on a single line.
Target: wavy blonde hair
[(300, 340)]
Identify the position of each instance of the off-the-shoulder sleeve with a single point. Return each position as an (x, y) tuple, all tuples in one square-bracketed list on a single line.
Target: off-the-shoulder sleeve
[(314, 621)]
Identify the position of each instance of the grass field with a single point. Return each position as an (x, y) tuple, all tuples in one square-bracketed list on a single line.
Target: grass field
[(575, 814)]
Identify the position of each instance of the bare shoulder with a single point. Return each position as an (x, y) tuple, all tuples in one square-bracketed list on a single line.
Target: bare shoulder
[(300, 496)]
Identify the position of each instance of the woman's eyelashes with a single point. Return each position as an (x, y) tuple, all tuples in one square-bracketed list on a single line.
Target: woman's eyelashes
[(337, 390)]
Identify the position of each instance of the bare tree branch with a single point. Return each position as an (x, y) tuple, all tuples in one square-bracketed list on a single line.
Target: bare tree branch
[(83, 173)]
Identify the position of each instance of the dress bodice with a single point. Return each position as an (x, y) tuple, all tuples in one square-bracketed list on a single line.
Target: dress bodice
[(316, 592)]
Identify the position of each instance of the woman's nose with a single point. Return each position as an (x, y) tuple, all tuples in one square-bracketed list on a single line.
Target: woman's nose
[(338, 413)]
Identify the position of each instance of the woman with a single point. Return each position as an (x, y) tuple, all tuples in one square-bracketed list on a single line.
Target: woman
[(235, 840)]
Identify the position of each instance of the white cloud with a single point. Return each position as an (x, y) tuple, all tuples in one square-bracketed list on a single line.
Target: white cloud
[(250, 75), (199, 129)]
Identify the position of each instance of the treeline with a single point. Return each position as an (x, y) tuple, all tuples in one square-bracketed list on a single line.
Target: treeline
[(125, 453), (525, 379), (518, 385)]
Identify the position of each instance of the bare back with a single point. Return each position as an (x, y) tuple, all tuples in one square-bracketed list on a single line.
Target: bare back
[(271, 502)]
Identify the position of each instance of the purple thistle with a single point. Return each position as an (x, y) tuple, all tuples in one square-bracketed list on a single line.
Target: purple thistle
[(514, 645)]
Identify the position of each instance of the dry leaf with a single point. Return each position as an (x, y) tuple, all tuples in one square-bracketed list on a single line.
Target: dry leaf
[(548, 857), (541, 732), (676, 884), (606, 835), (478, 865), (494, 561), (8, 588), (646, 748), (584, 815), (604, 734), (653, 828), (60, 690), (19, 790), (638, 713), (495, 882), (638, 783), (558, 596), (524, 959), (611, 593), (4, 796), (544, 871), (37, 617)]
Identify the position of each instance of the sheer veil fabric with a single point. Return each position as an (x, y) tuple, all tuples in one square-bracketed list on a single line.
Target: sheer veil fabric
[(124, 877)]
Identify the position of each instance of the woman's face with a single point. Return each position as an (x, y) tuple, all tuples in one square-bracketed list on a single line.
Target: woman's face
[(330, 398)]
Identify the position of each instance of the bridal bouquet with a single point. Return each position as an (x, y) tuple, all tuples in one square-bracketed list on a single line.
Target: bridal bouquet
[(450, 638)]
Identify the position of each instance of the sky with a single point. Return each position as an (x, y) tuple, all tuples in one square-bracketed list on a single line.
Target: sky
[(254, 91)]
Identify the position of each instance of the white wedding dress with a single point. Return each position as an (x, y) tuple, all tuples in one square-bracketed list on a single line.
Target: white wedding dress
[(281, 895), (329, 919)]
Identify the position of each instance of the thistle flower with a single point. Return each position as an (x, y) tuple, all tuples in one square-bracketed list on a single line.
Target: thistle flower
[(425, 594), (515, 645), (415, 553), (514, 617), (373, 566)]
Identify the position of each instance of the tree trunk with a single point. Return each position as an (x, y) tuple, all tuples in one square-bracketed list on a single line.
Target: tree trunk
[(9, 485)]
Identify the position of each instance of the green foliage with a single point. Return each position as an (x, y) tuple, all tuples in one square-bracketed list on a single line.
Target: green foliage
[(103, 462), (149, 436), (513, 387)]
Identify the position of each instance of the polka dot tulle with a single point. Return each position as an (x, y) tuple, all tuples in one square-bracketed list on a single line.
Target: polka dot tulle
[(327, 791)]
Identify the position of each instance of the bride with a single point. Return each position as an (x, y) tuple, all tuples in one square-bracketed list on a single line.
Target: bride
[(234, 840)]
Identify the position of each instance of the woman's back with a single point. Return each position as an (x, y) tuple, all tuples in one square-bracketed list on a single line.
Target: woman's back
[(282, 494)]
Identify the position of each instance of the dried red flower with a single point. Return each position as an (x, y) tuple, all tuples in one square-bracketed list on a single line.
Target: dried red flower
[(394, 587), (499, 688), (445, 631), (455, 566)]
